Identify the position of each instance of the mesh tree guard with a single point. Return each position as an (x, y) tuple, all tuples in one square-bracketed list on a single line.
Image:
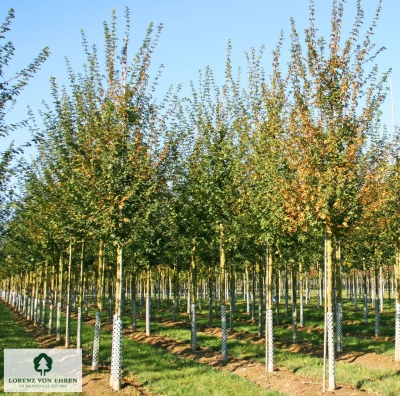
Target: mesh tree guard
[(24, 306), (133, 314), (377, 318), (260, 317), (113, 344), (96, 342), (79, 330), (37, 313), (43, 314), (58, 323), (397, 333), (269, 334), (331, 352), (294, 326), (194, 329), (118, 355), (339, 315), (301, 323), (224, 335), (28, 310), (50, 317), (148, 302), (67, 327), (365, 309)]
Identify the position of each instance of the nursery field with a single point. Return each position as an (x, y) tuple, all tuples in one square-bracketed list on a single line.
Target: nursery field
[(146, 218), (164, 363)]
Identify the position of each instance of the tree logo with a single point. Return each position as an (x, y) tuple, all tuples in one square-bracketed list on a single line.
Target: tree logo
[(43, 364)]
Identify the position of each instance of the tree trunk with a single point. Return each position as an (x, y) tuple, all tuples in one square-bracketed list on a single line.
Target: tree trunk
[(68, 308), (81, 295), (339, 327), (329, 307), (222, 288), (294, 305), (269, 330)]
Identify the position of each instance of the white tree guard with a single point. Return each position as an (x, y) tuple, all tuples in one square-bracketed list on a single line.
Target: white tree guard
[(339, 327), (79, 330), (96, 342), (260, 317), (301, 323), (269, 334), (231, 311), (331, 352), (67, 326), (43, 313), (133, 314), (397, 333), (86, 304), (24, 305), (224, 335), (148, 302), (365, 309), (377, 318), (50, 317), (37, 314), (34, 311), (113, 344), (28, 309), (58, 323), (294, 325), (117, 355), (194, 329)]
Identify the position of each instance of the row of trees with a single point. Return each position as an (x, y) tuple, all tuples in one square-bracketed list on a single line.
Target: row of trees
[(273, 173)]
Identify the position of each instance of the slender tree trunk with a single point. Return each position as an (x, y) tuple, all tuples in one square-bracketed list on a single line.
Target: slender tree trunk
[(294, 305), (329, 306), (365, 292), (397, 292), (277, 296), (247, 291), (260, 300), (286, 292), (45, 286), (118, 283), (81, 296), (222, 291), (301, 324), (377, 299), (339, 327), (68, 305), (381, 288), (269, 330), (193, 284), (210, 297)]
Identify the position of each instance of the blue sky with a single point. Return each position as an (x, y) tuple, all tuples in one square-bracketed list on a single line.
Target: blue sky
[(195, 35)]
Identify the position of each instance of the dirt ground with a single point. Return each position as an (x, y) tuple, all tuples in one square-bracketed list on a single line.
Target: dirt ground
[(97, 383)]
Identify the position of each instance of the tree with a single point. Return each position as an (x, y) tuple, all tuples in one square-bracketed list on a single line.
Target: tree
[(334, 103), (10, 87)]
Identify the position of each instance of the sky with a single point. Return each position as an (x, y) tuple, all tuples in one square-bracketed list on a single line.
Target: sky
[(195, 35)]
